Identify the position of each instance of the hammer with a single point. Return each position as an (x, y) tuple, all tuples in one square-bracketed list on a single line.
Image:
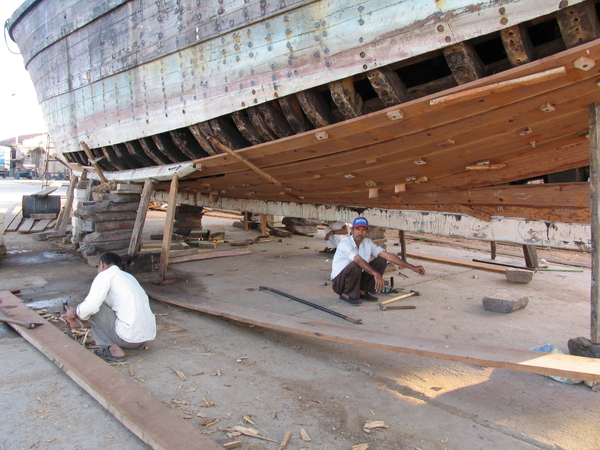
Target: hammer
[(20, 322), (395, 299)]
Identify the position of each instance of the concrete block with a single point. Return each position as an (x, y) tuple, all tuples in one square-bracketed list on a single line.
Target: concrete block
[(519, 275), (504, 306)]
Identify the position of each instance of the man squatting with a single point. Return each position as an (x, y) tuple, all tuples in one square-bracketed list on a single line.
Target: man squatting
[(117, 309), (353, 276)]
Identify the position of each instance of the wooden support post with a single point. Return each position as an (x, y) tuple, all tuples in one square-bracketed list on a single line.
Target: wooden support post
[(595, 219), (531, 257), (90, 156), (140, 218), (246, 218), (402, 239), (256, 169), (263, 224), (168, 232), (494, 249), (66, 212)]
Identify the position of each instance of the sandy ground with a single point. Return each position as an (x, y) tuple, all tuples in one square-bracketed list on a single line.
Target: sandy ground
[(281, 382)]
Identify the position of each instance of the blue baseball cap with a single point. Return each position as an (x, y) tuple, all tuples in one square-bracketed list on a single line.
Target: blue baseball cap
[(360, 222)]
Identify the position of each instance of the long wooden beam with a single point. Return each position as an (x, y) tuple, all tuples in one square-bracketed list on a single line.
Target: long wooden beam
[(487, 356), (142, 414), (595, 215)]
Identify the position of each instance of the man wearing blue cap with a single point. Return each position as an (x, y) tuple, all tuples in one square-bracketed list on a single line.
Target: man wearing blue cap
[(354, 276)]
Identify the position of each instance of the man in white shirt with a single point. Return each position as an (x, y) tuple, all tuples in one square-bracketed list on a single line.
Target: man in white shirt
[(118, 310), (354, 276), (334, 233)]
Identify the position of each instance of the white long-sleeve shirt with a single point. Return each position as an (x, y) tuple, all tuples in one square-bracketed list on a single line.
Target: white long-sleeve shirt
[(347, 251), (123, 294)]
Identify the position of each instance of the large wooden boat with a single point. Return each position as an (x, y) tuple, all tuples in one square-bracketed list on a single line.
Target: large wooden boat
[(320, 108)]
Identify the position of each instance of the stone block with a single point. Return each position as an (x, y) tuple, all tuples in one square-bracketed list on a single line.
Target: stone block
[(519, 275), (504, 306)]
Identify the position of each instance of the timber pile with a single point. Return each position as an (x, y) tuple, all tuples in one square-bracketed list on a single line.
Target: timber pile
[(188, 219), (109, 220), (35, 223)]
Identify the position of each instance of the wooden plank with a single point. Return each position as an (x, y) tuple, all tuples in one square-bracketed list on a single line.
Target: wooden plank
[(211, 255), (125, 157), (105, 216), (119, 198), (40, 225), (517, 44), (93, 161), (595, 221), (152, 151), (111, 235), (167, 148), (113, 225), (140, 218), (464, 63), (15, 223), (11, 214), (578, 24), (96, 207), (388, 86), (146, 417), (456, 262), (65, 216), (45, 216), (168, 230), (187, 143), (348, 101), (487, 356), (135, 151), (44, 192), (26, 226), (112, 158)]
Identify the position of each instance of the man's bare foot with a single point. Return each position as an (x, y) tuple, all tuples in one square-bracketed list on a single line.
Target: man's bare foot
[(116, 351), (73, 323)]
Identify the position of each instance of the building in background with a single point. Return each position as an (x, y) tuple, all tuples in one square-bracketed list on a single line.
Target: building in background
[(31, 156)]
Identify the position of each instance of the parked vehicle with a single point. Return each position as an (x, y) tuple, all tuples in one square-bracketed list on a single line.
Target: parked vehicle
[(30, 174)]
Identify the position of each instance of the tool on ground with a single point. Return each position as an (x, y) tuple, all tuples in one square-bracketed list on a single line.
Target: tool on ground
[(20, 322), (314, 305), (383, 308), (400, 297)]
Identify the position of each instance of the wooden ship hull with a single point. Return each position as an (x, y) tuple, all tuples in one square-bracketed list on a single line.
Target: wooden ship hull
[(323, 109)]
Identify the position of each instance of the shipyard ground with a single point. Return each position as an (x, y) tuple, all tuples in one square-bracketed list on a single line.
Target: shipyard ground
[(282, 382)]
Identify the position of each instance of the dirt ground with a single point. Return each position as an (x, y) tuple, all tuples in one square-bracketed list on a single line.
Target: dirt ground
[(277, 382)]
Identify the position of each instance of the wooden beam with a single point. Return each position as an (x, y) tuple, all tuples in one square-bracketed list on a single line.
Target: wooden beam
[(185, 142), (517, 45), (402, 240), (227, 134), (348, 101), (135, 150), (140, 218), (464, 63), (578, 23), (595, 219), (388, 86), (315, 108), (151, 150), (486, 356), (200, 136), (275, 120), (456, 262), (258, 120), (245, 126), (90, 156), (263, 224), (531, 256), (256, 169), (168, 231), (65, 215), (145, 416), (293, 113), (211, 255)]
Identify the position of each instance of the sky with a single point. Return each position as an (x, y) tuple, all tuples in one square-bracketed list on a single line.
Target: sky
[(20, 112)]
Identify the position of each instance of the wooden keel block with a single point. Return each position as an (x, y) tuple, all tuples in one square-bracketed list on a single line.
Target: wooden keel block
[(395, 115), (519, 275), (373, 193), (400, 188), (322, 135), (504, 306)]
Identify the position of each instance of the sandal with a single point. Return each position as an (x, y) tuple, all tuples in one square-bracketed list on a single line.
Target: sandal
[(104, 353), (369, 297)]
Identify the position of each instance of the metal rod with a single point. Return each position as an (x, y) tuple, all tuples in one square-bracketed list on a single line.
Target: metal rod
[(314, 305), (505, 265)]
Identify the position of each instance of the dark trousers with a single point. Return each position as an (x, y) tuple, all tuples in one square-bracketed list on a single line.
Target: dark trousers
[(350, 281)]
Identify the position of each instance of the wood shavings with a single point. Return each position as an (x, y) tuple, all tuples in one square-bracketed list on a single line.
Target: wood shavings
[(304, 435), (210, 422), (366, 364), (251, 432), (208, 403), (179, 373), (217, 373), (259, 399), (190, 390), (360, 447), (178, 330), (273, 414), (233, 444), (373, 424), (142, 379), (204, 416), (197, 373), (247, 419), (131, 370), (285, 441)]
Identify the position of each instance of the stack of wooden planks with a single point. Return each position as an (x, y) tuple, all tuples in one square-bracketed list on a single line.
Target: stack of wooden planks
[(111, 218), (35, 223)]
